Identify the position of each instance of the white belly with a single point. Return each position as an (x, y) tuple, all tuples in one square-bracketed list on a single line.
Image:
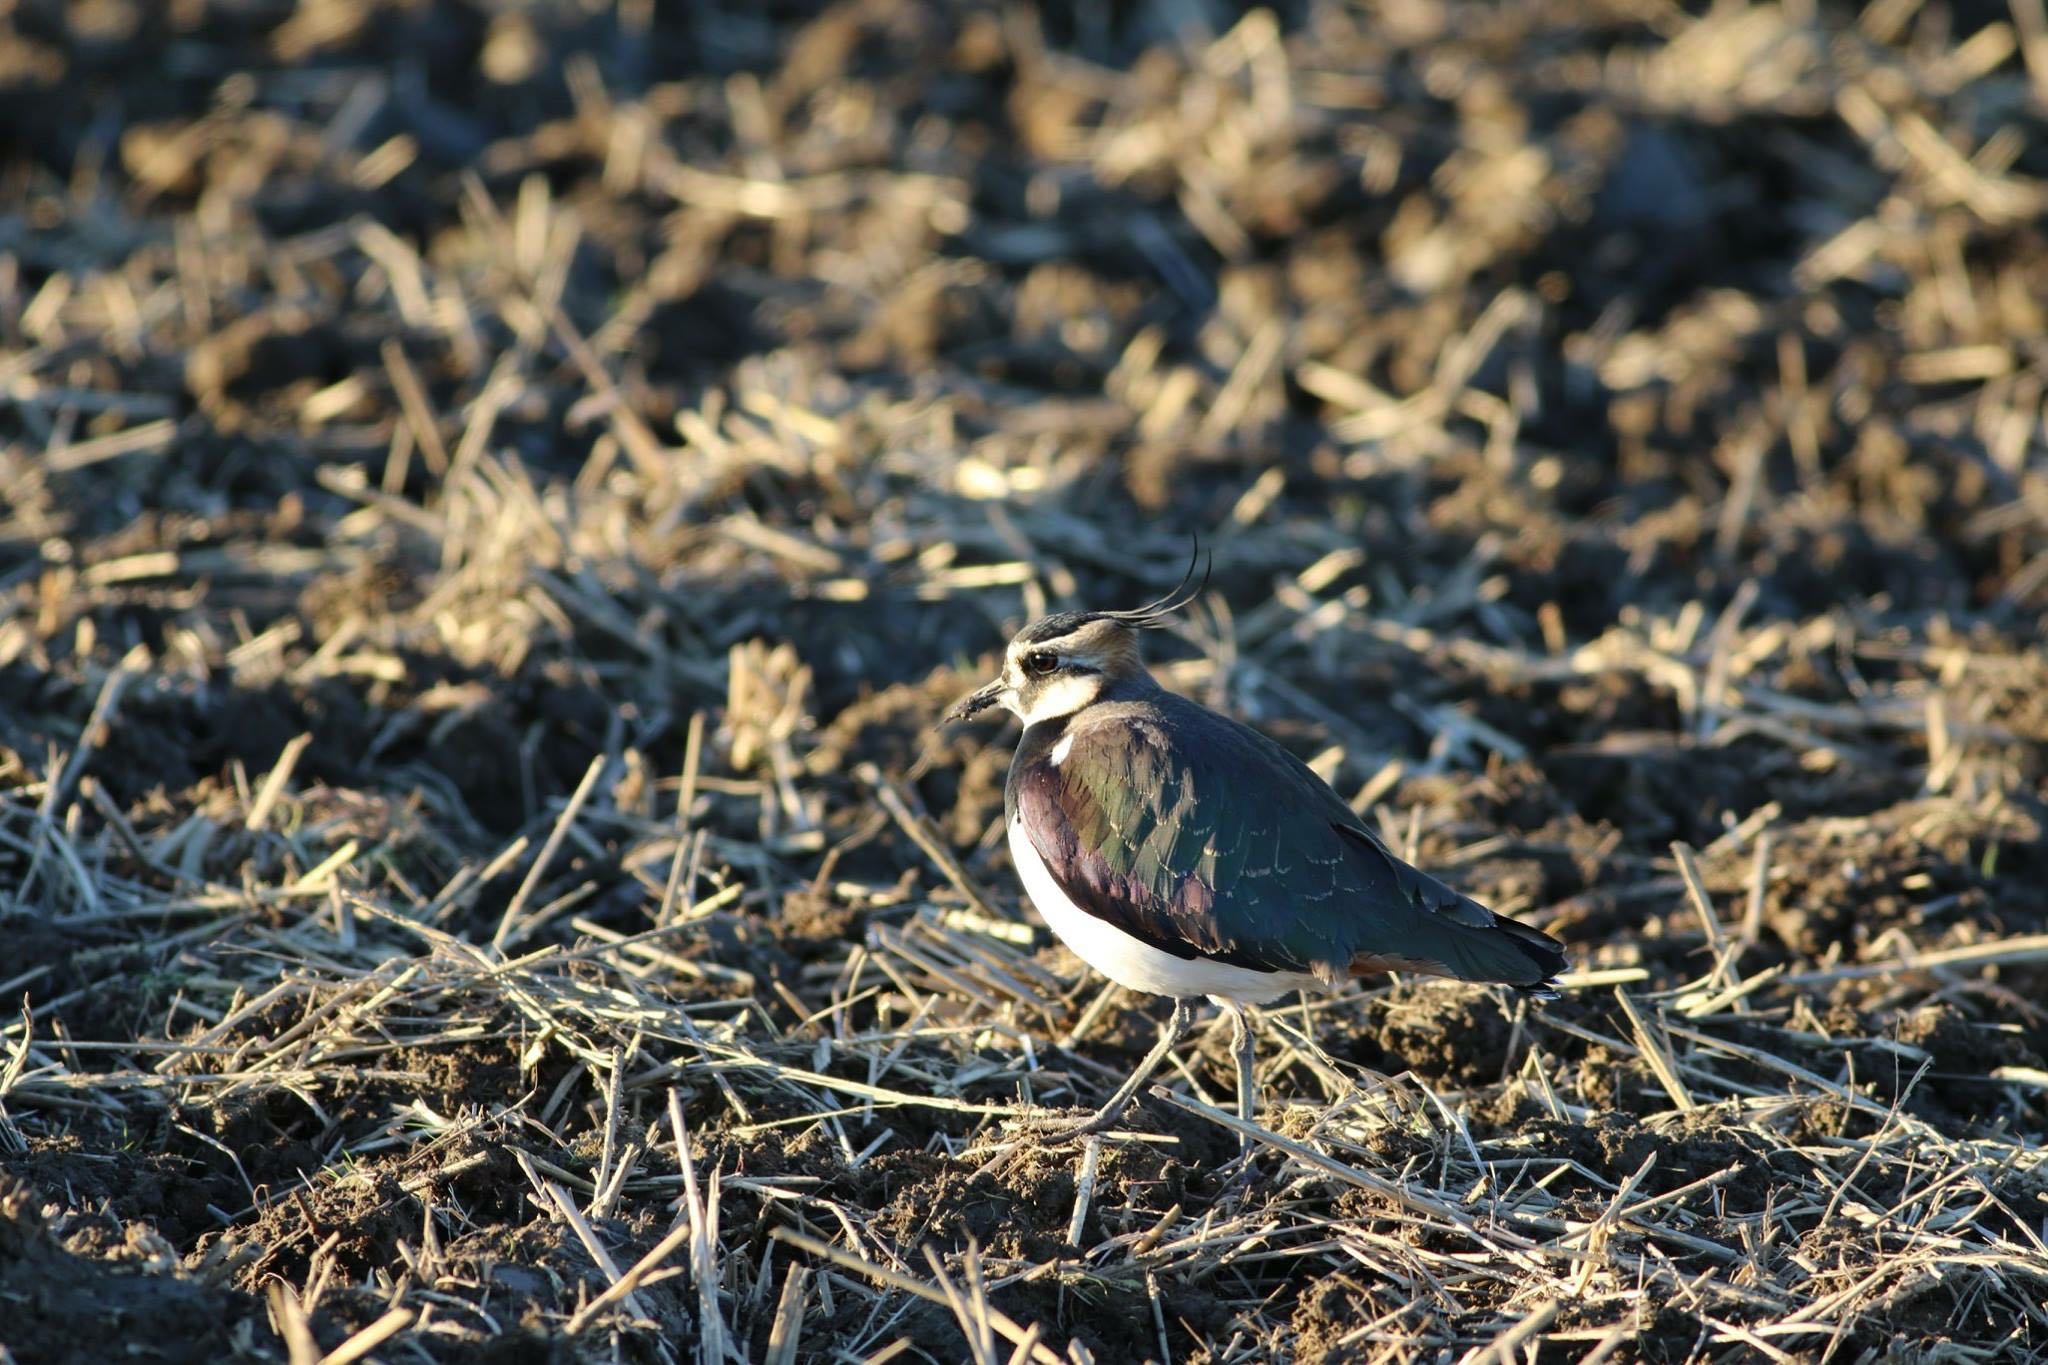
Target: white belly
[(1125, 960)]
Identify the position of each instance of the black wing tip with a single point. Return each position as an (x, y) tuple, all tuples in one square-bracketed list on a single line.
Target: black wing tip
[(1541, 949)]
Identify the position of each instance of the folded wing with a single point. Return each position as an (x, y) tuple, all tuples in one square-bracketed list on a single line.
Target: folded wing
[(1201, 837)]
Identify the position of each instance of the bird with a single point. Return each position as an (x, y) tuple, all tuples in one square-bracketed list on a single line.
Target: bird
[(1180, 852)]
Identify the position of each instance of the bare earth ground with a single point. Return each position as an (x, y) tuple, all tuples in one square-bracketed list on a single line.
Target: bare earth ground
[(496, 497)]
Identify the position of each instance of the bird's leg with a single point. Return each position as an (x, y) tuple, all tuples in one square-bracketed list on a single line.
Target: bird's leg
[(1241, 1048), (1170, 1037)]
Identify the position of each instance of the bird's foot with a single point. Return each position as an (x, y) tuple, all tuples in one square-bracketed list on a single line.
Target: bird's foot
[(1094, 1124), (1236, 1176), (1069, 1125), (1095, 1127), (1023, 1138)]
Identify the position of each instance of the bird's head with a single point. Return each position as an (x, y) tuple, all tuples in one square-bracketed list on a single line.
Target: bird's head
[(1060, 663)]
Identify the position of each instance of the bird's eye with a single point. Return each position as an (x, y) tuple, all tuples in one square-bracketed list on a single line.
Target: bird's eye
[(1040, 662)]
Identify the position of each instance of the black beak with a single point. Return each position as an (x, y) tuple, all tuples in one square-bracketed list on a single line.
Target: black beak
[(977, 701)]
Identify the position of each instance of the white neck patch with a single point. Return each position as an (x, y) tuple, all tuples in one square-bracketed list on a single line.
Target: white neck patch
[(1062, 749)]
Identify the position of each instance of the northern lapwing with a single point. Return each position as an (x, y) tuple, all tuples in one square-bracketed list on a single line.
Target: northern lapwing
[(1182, 853)]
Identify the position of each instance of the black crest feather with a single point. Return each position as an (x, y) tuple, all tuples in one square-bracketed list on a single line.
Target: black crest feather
[(1155, 614)]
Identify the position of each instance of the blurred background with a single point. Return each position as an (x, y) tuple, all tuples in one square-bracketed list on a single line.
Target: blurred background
[(509, 334), (435, 431), (359, 353)]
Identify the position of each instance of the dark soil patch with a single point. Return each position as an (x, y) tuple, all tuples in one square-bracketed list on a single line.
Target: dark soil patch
[(67, 1298)]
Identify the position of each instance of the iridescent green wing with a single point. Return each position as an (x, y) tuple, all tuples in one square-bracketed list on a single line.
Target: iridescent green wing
[(1201, 837)]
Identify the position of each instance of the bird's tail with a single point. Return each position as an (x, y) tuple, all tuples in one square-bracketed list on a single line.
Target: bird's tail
[(1445, 933), (1538, 950), (1495, 949)]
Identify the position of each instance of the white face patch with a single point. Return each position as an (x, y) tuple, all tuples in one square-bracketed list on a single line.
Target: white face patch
[(1060, 695), (1062, 749), (1082, 661)]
